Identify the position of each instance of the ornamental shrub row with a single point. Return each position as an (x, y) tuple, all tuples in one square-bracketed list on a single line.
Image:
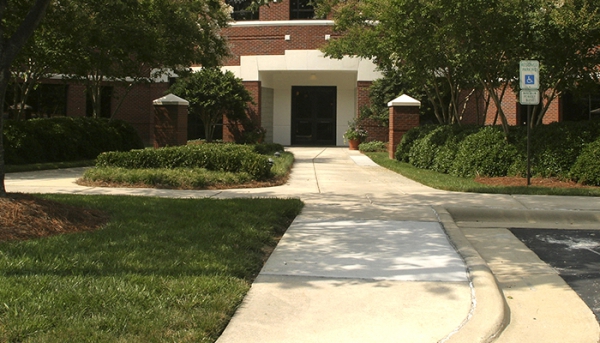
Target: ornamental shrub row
[(65, 139), (217, 157), (568, 150)]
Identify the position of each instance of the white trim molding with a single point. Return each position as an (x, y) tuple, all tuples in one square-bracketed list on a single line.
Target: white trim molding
[(258, 23)]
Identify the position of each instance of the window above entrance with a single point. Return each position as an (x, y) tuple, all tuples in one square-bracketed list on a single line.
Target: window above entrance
[(241, 10), (301, 9)]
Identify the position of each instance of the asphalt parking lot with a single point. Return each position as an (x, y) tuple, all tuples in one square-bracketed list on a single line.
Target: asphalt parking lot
[(574, 254)]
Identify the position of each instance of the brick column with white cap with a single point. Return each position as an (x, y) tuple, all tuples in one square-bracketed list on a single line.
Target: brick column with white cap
[(404, 115), (170, 121)]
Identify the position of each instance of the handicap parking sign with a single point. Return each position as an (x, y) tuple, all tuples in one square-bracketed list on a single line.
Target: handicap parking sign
[(529, 72), (529, 79)]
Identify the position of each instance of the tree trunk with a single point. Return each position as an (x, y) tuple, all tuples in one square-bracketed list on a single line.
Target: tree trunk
[(4, 76), (8, 52)]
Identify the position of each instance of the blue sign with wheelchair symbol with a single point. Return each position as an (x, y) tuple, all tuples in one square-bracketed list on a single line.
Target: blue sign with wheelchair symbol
[(529, 79)]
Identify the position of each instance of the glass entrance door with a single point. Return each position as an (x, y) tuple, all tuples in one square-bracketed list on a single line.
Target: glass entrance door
[(314, 115)]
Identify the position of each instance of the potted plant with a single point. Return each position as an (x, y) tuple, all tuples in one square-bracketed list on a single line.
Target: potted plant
[(354, 135)]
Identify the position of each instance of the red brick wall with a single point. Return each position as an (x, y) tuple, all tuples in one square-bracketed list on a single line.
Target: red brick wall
[(553, 114), (362, 95), (275, 11), (230, 129), (376, 132), (269, 40), (510, 106), (402, 119), (474, 107), (76, 100), (137, 108)]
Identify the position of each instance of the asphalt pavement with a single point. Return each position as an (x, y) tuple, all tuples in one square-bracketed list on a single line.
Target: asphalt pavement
[(574, 254), (376, 257)]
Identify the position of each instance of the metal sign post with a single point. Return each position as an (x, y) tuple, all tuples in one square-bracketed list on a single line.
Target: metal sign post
[(529, 77)]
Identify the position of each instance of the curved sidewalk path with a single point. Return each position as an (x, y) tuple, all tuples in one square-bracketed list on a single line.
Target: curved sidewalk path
[(375, 257)]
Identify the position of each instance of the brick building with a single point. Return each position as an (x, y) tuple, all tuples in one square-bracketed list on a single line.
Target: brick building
[(302, 97)]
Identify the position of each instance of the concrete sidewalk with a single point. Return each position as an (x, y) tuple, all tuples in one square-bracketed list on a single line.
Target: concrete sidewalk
[(375, 257)]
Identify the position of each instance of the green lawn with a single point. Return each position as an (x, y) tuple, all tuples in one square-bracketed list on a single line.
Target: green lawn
[(161, 270), (458, 184)]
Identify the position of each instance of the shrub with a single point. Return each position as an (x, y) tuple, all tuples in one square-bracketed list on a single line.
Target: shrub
[(65, 139), (129, 138), (268, 148), (373, 146), (425, 149), (217, 157), (20, 144), (409, 138), (443, 160), (555, 147), (586, 169), (485, 153)]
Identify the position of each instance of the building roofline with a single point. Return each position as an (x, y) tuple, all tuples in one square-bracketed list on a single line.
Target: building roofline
[(258, 23)]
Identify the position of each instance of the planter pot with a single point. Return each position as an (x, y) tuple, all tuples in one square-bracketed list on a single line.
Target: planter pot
[(353, 144)]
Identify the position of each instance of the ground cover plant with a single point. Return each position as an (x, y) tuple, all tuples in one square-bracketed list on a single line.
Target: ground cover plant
[(194, 166), (372, 146), (143, 270)]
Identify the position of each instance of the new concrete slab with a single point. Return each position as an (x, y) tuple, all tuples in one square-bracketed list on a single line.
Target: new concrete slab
[(367, 249)]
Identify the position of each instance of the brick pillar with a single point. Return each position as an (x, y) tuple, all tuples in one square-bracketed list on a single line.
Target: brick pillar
[(170, 121), (404, 115)]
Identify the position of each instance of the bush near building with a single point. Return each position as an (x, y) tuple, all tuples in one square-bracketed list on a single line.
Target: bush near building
[(64, 139), (195, 166), (217, 157), (567, 151)]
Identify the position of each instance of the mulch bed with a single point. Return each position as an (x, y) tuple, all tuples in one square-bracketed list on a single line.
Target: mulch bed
[(535, 181), (23, 217)]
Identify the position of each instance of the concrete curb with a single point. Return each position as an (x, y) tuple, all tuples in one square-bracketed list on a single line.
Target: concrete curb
[(530, 218), (490, 313)]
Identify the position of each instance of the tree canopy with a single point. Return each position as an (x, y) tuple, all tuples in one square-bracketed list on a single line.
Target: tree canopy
[(212, 94), (128, 42), (93, 41), (446, 49)]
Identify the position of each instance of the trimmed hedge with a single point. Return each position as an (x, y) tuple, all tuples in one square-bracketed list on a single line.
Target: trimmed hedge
[(561, 150), (425, 152), (65, 139), (484, 153), (444, 159), (555, 147), (586, 169), (409, 138), (218, 157)]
